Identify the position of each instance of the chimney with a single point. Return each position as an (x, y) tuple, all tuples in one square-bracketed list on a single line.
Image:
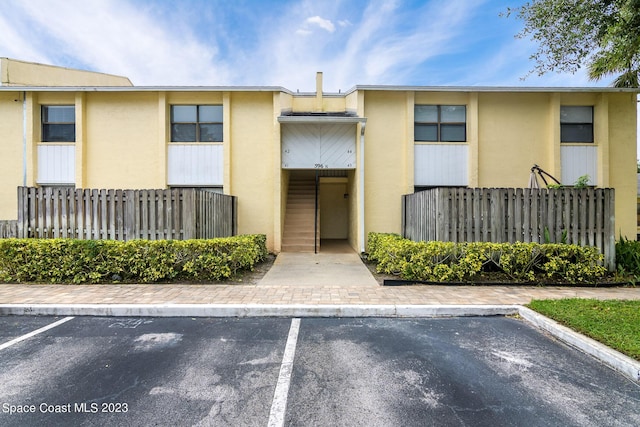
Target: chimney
[(319, 92)]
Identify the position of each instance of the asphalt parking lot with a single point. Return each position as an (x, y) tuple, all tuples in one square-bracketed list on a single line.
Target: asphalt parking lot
[(479, 371)]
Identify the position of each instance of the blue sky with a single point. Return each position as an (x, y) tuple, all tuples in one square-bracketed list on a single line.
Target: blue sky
[(279, 42)]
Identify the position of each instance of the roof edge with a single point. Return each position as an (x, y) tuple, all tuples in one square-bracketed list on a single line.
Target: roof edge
[(542, 89), (468, 89)]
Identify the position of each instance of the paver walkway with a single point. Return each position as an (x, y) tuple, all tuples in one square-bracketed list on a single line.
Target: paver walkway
[(293, 294), (335, 276)]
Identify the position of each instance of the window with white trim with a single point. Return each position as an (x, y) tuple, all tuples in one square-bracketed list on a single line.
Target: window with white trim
[(576, 124), (440, 123), (58, 123), (196, 123)]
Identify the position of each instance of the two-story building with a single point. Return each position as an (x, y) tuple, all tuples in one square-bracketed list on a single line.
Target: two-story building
[(266, 145)]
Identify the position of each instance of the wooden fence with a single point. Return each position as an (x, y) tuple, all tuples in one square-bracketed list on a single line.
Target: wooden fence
[(582, 216), (8, 228), (178, 214)]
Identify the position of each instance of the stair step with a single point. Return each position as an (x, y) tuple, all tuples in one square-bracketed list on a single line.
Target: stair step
[(298, 232), (298, 248)]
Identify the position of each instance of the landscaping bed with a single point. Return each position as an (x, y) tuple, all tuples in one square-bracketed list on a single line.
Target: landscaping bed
[(137, 261), (397, 261)]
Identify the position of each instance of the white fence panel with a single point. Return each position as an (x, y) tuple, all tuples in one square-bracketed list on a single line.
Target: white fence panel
[(56, 164), (441, 164), (195, 164)]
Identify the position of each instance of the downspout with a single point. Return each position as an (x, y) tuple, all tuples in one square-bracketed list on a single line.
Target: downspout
[(361, 189), (315, 218), (24, 138)]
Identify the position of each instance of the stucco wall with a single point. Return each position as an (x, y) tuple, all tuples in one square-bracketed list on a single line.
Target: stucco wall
[(513, 135), (385, 149), (622, 160), (252, 155), (122, 141), (11, 152)]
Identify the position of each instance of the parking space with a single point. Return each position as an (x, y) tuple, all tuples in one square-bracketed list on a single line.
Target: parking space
[(373, 372), (12, 327), (115, 371)]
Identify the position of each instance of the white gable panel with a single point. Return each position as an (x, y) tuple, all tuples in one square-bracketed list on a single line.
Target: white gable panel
[(300, 146), (579, 160), (56, 164), (195, 164), (318, 146), (441, 164), (338, 146)]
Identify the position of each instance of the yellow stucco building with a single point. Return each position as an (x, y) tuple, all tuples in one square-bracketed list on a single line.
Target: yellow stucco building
[(266, 145)]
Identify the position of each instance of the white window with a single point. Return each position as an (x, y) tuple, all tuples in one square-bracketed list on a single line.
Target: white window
[(576, 124), (58, 123), (196, 123), (440, 123)]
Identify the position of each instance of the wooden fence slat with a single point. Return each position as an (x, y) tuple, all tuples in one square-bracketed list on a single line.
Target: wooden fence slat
[(592, 218), (79, 214), (599, 211), (119, 215), (102, 210), (517, 209), (189, 214), (55, 201), (160, 230), (176, 200), (38, 226), (71, 221)]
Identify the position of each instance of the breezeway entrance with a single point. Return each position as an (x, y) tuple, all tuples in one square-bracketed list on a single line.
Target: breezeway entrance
[(323, 194), (320, 208)]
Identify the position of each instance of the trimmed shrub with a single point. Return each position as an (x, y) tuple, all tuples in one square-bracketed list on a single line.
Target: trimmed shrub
[(143, 261), (447, 261), (628, 258)]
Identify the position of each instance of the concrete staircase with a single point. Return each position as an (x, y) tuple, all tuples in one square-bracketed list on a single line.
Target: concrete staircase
[(299, 216)]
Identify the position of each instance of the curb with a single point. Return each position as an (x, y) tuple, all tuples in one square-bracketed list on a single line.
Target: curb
[(617, 361), (255, 310)]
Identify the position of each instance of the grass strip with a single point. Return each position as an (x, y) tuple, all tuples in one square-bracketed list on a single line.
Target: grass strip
[(614, 323)]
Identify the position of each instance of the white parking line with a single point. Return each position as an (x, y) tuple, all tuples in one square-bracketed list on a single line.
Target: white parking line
[(279, 404), (36, 332)]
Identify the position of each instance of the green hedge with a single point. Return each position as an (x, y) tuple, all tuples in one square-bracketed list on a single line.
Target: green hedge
[(142, 261), (446, 261)]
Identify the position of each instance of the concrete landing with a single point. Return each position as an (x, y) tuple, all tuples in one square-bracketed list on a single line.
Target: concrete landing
[(323, 269)]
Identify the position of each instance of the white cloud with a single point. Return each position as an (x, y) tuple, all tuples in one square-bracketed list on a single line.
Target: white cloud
[(304, 33), (389, 43), (115, 37), (14, 45), (325, 24)]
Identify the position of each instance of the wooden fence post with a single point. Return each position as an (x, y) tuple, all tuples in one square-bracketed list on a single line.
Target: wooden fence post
[(189, 213), (610, 230), (23, 213)]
